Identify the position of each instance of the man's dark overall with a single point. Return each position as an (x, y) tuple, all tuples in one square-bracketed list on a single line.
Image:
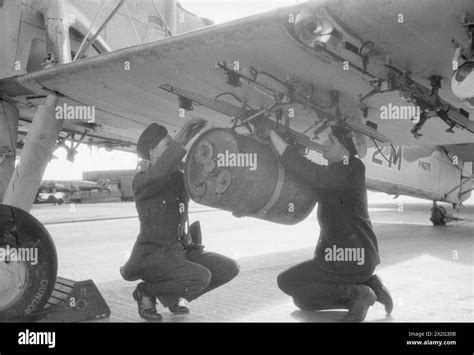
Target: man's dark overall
[(162, 255), (345, 225)]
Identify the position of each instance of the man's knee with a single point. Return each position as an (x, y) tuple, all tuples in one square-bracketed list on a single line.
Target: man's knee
[(232, 269), (284, 282), (224, 272), (200, 280)]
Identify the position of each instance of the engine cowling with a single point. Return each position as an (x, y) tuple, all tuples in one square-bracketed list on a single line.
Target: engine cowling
[(312, 29)]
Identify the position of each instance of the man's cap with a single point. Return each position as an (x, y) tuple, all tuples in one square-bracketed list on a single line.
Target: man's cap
[(150, 137), (345, 138)]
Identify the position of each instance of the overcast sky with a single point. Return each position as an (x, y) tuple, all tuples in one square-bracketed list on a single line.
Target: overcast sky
[(225, 10)]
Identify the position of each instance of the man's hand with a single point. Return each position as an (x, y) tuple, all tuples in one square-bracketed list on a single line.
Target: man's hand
[(263, 127), (190, 130)]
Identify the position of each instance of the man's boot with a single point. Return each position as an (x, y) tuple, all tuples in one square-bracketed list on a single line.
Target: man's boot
[(178, 309), (382, 293), (360, 298), (355, 298), (146, 304), (195, 232), (321, 304)]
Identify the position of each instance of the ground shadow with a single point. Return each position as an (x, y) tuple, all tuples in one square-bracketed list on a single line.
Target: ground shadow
[(328, 316), (319, 316)]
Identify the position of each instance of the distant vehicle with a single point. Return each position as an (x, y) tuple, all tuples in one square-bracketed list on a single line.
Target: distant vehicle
[(59, 191), (120, 180), (43, 198)]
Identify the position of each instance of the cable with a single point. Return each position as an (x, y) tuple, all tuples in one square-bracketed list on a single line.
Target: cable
[(365, 44), (376, 145), (228, 93), (393, 149), (291, 88), (133, 25), (235, 97), (162, 18)]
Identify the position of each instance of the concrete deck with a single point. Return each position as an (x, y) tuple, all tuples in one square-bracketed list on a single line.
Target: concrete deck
[(429, 270)]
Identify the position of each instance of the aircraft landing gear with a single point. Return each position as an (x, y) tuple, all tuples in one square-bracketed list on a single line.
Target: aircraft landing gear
[(28, 267), (29, 287), (440, 217)]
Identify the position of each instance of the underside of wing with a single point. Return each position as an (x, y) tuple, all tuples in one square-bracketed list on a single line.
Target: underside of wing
[(264, 64)]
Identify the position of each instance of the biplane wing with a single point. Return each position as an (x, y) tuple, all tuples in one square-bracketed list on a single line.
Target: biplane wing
[(265, 63)]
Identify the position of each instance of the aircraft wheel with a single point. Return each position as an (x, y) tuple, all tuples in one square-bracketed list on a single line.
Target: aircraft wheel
[(439, 216), (28, 265)]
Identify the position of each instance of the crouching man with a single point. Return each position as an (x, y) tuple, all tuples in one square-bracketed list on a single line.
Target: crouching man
[(164, 256), (341, 275)]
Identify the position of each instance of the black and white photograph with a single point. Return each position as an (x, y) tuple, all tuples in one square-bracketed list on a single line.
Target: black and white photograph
[(237, 162)]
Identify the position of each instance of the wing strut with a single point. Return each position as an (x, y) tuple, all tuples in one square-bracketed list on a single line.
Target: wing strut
[(85, 44)]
